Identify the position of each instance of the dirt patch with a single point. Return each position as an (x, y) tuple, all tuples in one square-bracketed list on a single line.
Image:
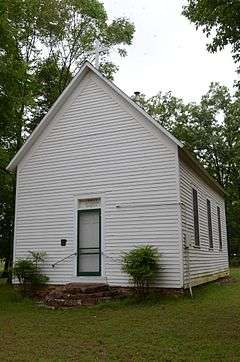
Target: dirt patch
[(226, 280)]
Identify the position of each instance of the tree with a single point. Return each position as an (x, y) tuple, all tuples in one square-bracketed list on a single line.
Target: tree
[(6, 217), (42, 44), (42, 41), (219, 20), (211, 131), (171, 112)]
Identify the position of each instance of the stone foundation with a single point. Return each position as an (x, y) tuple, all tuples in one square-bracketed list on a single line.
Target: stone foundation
[(79, 294)]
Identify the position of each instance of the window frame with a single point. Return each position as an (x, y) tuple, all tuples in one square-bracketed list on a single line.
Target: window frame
[(219, 228), (210, 228), (196, 227)]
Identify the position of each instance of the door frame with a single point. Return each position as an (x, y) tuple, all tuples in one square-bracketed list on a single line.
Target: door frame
[(99, 273)]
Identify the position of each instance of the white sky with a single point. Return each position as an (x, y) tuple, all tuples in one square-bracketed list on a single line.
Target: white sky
[(167, 52)]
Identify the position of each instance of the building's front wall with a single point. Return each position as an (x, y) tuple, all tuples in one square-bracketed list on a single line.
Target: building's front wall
[(98, 147), (203, 263)]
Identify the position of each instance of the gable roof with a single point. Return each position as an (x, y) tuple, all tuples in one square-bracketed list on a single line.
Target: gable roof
[(85, 68)]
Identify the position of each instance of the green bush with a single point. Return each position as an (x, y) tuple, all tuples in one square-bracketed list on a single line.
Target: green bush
[(24, 270), (235, 261), (28, 271), (141, 264)]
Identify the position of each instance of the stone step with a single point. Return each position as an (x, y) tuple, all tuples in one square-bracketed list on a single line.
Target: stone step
[(86, 300), (63, 294), (58, 303), (79, 294), (88, 288)]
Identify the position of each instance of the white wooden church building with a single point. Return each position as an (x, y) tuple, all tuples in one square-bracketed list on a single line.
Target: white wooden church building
[(99, 176)]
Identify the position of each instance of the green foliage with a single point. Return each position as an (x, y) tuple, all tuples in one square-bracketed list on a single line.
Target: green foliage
[(141, 264), (38, 256), (7, 190), (211, 131), (24, 270), (28, 271), (42, 46), (219, 20), (235, 261)]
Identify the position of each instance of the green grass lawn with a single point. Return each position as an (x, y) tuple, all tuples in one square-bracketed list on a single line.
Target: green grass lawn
[(206, 328)]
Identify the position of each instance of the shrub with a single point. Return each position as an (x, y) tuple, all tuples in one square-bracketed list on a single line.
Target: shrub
[(38, 257), (28, 271), (24, 270), (235, 261), (141, 264)]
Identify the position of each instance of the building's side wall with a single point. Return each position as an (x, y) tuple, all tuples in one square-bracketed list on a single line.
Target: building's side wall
[(98, 146), (205, 264)]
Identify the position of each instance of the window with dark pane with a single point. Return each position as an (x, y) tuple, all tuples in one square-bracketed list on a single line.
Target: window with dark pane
[(196, 217), (209, 217), (219, 227)]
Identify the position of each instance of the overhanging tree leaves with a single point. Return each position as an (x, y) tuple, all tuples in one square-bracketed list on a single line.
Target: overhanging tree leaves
[(42, 39), (219, 20)]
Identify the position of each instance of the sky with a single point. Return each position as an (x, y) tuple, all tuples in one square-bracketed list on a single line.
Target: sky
[(167, 52)]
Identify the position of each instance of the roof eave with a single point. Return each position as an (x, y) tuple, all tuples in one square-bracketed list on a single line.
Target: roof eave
[(187, 157)]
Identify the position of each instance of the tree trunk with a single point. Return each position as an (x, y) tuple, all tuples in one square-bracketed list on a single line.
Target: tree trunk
[(5, 269), (10, 261)]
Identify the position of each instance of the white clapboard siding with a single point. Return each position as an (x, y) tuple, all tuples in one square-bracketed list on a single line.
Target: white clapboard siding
[(98, 145), (203, 261)]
